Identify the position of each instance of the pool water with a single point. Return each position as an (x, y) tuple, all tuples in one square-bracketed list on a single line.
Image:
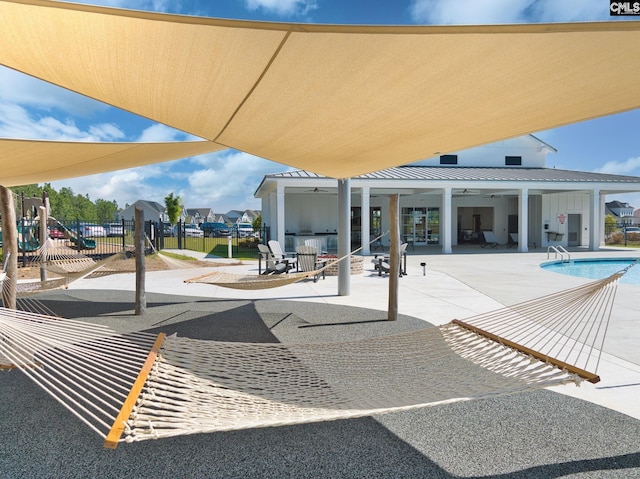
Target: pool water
[(596, 268)]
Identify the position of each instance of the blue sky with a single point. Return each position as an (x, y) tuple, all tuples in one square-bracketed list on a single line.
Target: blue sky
[(30, 108)]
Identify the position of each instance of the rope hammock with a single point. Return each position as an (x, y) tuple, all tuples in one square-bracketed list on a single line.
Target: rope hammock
[(253, 282), (137, 386), (62, 262)]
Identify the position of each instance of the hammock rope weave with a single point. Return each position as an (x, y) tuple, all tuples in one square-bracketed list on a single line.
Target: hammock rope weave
[(253, 282), (197, 386), (63, 263)]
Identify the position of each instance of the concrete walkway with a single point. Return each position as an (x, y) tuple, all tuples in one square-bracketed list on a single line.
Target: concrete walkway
[(470, 282)]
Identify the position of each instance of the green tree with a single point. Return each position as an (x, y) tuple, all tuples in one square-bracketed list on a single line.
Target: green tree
[(106, 210), (66, 205), (257, 223), (610, 224), (173, 204)]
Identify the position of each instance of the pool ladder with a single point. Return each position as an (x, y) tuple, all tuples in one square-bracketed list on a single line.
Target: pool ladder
[(559, 250)]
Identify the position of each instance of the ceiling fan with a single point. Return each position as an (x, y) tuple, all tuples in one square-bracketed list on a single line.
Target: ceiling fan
[(317, 190)]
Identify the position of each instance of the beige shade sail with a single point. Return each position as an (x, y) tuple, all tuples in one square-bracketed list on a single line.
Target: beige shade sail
[(29, 161), (337, 100)]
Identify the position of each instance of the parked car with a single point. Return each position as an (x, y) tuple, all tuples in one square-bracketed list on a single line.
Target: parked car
[(192, 231), (114, 229), (55, 233), (215, 229), (244, 230), (167, 230), (92, 231), (632, 229)]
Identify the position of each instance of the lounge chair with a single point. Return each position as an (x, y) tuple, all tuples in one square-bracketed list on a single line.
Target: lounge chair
[(307, 257), (280, 256), (382, 263), (489, 239), (271, 265), (513, 240)]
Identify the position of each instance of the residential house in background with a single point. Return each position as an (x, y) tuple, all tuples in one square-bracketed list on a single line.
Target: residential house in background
[(246, 216), (198, 215), (622, 212), (152, 211), (155, 211), (451, 199)]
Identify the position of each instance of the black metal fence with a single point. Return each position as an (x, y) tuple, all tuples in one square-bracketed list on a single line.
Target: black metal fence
[(621, 236), (238, 243), (100, 240)]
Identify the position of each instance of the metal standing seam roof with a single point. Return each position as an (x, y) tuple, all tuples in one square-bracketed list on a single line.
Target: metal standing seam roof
[(340, 100), (461, 173)]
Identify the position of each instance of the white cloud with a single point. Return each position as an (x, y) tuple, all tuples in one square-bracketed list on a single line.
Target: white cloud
[(627, 167), (468, 11), (123, 186), (569, 10), (18, 122), (507, 11), (283, 7), (29, 91), (221, 181), (160, 132), (228, 181)]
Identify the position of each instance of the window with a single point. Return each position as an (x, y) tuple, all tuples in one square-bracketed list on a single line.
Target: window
[(449, 159), (513, 160)]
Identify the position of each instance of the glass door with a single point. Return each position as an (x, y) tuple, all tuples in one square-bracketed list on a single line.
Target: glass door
[(420, 226), (414, 226)]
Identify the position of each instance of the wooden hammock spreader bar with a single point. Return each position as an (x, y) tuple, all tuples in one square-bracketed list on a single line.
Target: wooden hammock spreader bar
[(592, 378), (4, 366), (112, 439)]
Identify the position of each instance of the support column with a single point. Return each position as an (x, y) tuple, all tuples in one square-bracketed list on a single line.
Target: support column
[(365, 227), (394, 256), (446, 221), (594, 220), (344, 236), (280, 231), (523, 220), (44, 235), (603, 208)]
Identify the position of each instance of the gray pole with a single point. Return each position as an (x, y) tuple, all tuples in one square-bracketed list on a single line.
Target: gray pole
[(344, 236), (9, 247), (138, 239), (44, 234), (394, 256)]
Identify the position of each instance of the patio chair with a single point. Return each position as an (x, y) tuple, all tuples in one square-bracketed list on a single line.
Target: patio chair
[(280, 256), (307, 257), (513, 240), (317, 244), (271, 265), (489, 239), (382, 263)]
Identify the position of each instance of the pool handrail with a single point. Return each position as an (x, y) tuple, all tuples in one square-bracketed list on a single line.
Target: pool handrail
[(559, 250)]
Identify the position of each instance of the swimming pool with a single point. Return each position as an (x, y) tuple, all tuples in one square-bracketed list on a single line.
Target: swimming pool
[(596, 268)]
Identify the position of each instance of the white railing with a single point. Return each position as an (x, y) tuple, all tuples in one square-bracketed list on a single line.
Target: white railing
[(559, 250)]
